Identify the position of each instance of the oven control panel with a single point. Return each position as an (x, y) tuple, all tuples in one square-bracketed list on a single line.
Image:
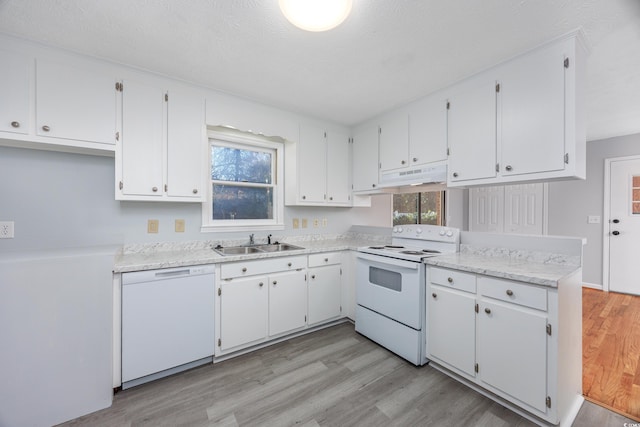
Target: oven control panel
[(427, 232)]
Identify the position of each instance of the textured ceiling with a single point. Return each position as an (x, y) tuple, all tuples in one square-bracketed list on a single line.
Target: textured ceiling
[(386, 53)]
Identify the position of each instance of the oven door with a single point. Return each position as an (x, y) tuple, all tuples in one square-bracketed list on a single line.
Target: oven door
[(391, 287)]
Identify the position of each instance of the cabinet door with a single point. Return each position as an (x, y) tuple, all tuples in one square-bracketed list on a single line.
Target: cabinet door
[(512, 351), (532, 98), (143, 113), (243, 311), (312, 159), (325, 293), (365, 159), (338, 167), (451, 323), (14, 91), (471, 124), (428, 131), (186, 143), (75, 103), (394, 142), (287, 302)]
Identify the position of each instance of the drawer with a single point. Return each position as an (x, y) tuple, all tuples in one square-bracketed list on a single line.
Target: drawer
[(327, 258), (515, 292), (262, 266), (452, 279)]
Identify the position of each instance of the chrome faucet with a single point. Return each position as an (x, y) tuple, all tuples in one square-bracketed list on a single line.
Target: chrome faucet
[(251, 242), (269, 239)]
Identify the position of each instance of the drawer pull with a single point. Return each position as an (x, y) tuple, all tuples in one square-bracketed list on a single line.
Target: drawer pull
[(261, 284), (509, 292), (154, 189), (450, 279), (487, 310), (313, 276), (46, 128), (195, 191), (244, 269), (275, 282), (434, 295), (15, 124), (288, 264)]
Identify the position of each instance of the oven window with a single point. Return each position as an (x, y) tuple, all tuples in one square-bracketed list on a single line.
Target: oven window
[(385, 278)]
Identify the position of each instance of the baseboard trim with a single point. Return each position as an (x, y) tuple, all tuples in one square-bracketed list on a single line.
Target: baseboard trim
[(592, 286)]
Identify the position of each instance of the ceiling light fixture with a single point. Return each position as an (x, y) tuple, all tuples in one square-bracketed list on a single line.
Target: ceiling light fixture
[(316, 15)]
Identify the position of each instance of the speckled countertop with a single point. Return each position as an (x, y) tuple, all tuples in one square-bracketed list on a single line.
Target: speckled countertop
[(167, 255), (539, 268)]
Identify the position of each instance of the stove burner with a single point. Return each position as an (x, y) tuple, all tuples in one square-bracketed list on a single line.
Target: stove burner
[(430, 251), (393, 246), (412, 252)]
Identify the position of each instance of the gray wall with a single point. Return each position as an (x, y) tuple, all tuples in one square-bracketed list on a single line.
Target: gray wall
[(570, 202), (61, 200)]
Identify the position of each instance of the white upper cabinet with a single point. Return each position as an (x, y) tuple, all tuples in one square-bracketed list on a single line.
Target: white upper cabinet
[(472, 131), (428, 131), (75, 102), (317, 168), (14, 91), (161, 152), (522, 120), (365, 158), (394, 141)]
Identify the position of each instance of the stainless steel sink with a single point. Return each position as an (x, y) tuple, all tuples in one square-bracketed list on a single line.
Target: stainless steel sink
[(246, 250), (279, 247)]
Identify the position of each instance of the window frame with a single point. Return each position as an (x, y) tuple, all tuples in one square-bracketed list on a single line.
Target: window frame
[(240, 140), (418, 192)]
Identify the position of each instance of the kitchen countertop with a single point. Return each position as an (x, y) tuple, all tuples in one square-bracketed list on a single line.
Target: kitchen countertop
[(168, 255), (545, 269)]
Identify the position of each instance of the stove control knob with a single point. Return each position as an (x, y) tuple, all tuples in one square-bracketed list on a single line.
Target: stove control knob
[(449, 233), (418, 230), (399, 230), (442, 232)]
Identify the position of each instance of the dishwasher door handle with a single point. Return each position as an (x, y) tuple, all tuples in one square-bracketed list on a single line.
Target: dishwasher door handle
[(175, 273)]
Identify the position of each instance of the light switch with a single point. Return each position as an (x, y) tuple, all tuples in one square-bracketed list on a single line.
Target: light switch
[(6, 229), (593, 219), (179, 225), (304, 222), (153, 225), (296, 223)]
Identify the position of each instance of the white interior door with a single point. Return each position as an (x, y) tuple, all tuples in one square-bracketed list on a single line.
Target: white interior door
[(624, 226)]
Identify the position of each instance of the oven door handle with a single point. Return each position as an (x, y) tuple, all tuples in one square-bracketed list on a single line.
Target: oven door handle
[(387, 261)]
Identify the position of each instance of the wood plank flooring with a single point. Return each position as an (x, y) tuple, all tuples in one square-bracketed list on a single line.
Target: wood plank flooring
[(333, 377), (611, 350)]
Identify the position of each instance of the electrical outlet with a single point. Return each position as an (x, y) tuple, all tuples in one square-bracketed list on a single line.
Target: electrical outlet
[(316, 222), (6, 229), (324, 222), (304, 222), (153, 225), (179, 225), (296, 223)]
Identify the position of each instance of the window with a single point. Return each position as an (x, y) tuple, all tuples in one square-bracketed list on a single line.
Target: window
[(244, 192), (419, 208)]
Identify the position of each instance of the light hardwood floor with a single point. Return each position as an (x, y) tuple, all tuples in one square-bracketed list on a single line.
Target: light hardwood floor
[(611, 350), (333, 377)]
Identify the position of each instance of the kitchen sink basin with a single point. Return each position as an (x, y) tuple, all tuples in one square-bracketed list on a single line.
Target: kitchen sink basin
[(278, 247), (247, 250)]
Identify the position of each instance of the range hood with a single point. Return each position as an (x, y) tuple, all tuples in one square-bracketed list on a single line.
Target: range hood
[(426, 174)]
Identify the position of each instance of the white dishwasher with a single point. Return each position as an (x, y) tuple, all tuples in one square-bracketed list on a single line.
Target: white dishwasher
[(167, 322)]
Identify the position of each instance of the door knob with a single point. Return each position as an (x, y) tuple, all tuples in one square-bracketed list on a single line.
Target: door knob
[(616, 221), (615, 232)]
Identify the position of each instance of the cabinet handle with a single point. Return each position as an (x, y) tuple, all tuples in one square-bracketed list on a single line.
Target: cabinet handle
[(509, 292), (154, 189), (415, 159), (289, 264), (508, 168), (450, 279), (195, 191), (15, 124), (326, 260), (330, 198), (275, 282), (46, 128), (373, 185), (487, 310), (434, 295), (304, 197), (244, 269), (402, 162), (455, 174), (261, 284), (313, 276)]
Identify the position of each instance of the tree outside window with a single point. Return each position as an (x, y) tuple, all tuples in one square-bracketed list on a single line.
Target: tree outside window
[(419, 208)]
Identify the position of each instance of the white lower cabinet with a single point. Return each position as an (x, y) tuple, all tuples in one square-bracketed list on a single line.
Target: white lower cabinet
[(505, 337), (287, 302), (325, 287), (262, 300)]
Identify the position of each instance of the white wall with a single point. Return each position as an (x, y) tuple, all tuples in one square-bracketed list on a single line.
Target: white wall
[(570, 202)]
